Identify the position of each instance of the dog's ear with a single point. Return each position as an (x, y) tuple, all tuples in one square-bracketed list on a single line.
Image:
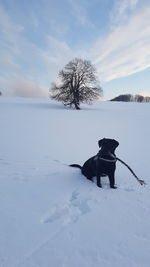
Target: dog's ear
[(101, 142), (116, 143)]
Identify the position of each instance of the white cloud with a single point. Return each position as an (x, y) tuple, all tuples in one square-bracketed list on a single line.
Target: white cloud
[(10, 44), (25, 61), (124, 5), (10, 33), (126, 49), (28, 89), (79, 12), (121, 10), (23, 88)]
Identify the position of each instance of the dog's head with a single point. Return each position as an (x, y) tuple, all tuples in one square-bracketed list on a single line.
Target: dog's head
[(108, 144)]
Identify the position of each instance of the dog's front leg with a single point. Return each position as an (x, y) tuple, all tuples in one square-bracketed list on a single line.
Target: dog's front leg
[(98, 180), (112, 180), (98, 174)]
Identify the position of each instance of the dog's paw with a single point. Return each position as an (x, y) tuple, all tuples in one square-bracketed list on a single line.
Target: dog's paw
[(113, 187), (99, 185)]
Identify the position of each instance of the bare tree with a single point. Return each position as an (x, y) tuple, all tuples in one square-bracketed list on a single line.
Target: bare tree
[(139, 98), (78, 84), (147, 99)]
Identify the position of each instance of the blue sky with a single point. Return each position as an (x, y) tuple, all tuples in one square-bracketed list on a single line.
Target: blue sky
[(38, 37)]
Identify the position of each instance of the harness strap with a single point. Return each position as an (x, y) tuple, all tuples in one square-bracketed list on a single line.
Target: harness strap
[(108, 160)]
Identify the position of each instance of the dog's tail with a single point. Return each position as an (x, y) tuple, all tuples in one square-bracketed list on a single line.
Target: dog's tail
[(76, 166)]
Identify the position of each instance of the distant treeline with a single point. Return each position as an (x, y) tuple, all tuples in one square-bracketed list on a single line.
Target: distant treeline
[(131, 98)]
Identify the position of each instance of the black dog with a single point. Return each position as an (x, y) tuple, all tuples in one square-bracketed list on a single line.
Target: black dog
[(103, 164)]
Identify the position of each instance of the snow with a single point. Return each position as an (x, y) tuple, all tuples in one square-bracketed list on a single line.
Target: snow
[(51, 215)]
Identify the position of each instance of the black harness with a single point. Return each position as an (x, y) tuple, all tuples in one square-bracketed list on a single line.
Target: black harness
[(102, 157)]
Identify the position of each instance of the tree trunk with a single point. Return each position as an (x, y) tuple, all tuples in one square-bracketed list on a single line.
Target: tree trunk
[(76, 98), (76, 105)]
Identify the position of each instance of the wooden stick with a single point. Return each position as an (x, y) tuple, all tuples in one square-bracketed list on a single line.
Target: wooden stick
[(139, 180)]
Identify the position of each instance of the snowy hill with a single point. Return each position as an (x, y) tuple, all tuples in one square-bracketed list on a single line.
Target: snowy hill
[(52, 216)]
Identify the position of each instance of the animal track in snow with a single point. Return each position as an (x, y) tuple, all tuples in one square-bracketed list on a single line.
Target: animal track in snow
[(81, 204), (70, 211)]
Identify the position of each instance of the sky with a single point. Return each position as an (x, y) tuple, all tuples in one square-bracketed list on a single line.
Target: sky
[(39, 37)]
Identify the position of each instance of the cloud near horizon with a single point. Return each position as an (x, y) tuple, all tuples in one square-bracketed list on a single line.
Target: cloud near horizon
[(144, 94), (31, 65), (22, 88), (29, 89)]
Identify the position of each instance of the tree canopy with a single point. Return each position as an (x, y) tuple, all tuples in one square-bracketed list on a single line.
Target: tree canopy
[(78, 83)]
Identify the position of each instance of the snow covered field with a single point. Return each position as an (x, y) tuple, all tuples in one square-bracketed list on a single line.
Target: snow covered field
[(52, 216)]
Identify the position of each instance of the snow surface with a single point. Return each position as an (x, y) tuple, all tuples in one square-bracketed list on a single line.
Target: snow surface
[(51, 215)]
